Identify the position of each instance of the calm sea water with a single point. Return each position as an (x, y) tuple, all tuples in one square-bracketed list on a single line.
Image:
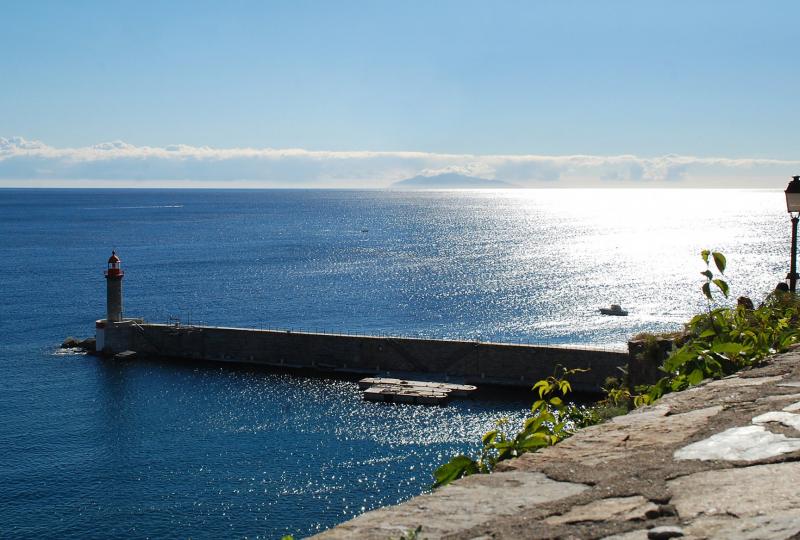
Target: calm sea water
[(91, 448)]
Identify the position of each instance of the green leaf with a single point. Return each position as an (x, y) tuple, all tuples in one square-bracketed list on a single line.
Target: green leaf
[(489, 437), (707, 291), (723, 286), (547, 417), (679, 383), (705, 253), (697, 319), (708, 333), (532, 424), (537, 440), (708, 274), (556, 402), (728, 348), (695, 376), (719, 260), (679, 358), (454, 469)]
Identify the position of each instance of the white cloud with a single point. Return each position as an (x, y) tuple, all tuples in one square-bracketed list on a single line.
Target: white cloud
[(477, 169), (116, 163)]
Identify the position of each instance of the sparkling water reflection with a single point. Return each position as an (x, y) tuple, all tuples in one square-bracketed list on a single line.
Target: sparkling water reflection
[(93, 449), (164, 450)]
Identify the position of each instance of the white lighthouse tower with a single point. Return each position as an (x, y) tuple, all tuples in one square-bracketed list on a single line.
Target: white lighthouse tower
[(114, 275)]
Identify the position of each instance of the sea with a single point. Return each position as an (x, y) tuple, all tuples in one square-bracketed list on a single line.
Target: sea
[(96, 448)]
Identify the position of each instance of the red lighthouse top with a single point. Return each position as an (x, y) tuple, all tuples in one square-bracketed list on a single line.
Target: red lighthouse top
[(114, 268)]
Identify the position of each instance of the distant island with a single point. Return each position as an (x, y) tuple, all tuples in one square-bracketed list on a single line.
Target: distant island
[(450, 181)]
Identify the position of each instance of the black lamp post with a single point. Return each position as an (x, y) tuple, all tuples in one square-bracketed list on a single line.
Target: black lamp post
[(793, 207)]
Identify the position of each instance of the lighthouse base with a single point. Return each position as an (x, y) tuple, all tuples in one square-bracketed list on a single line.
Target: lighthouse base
[(100, 335), (112, 337)]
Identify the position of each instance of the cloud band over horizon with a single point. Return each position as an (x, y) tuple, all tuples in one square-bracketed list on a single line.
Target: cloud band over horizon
[(27, 163)]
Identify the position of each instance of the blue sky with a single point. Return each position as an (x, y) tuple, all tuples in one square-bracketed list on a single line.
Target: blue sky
[(643, 79)]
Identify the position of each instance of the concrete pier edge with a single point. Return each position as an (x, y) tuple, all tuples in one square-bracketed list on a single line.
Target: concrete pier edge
[(720, 460), (470, 362)]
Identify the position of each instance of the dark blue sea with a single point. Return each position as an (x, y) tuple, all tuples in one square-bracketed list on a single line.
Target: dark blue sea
[(93, 448)]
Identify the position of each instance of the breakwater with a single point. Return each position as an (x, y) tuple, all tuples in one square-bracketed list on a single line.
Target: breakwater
[(469, 361)]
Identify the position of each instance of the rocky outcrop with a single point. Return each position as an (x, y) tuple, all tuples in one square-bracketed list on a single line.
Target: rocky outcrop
[(87, 344), (70, 343)]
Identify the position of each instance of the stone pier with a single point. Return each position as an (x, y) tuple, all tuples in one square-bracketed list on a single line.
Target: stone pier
[(473, 362)]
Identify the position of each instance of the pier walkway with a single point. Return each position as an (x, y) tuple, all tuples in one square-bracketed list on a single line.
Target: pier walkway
[(720, 460)]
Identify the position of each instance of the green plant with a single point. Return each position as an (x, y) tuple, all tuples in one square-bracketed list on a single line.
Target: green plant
[(617, 396), (720, 262), (551, 420), (726, 339), (412, 534)]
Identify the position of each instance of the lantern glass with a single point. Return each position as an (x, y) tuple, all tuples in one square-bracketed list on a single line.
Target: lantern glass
[(793, 195), (793, 202)]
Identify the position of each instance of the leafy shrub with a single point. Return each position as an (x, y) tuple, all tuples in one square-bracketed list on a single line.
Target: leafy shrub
[(727, 339), (551, 420)]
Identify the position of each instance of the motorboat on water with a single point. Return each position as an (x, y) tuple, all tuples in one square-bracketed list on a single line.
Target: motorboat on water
[(615, 309)]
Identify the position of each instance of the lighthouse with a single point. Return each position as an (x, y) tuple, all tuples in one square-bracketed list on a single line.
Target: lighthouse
[(114, 275)]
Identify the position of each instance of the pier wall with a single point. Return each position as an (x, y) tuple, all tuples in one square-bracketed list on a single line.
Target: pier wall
[(472, 362)]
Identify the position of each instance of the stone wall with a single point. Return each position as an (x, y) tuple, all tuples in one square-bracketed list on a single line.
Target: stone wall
[(646, 359), (473, 362)]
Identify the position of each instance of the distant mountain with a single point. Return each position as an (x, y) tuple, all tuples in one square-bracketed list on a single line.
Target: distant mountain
[(450, 181)]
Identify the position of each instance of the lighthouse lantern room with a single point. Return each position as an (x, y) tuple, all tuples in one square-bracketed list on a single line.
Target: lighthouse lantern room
[(114, 275)]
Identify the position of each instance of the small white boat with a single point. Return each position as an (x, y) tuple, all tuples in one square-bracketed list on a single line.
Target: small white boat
[(615, 309)]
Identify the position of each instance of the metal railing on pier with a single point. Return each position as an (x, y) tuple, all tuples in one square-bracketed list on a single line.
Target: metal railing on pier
[(499, 340)]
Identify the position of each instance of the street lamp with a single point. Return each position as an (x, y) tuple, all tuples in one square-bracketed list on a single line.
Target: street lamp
[(793, 207)]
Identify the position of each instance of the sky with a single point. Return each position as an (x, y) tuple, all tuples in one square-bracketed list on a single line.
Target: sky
[(362, 94)]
